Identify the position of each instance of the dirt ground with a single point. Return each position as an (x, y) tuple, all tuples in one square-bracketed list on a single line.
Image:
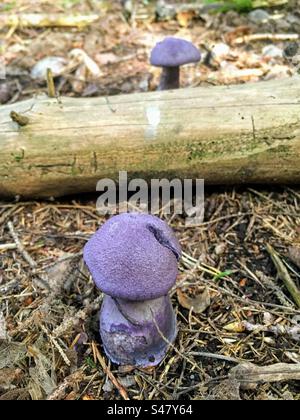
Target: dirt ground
[(234, 265)]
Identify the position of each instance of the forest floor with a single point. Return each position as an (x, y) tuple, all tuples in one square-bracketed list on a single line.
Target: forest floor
[(231, 299)]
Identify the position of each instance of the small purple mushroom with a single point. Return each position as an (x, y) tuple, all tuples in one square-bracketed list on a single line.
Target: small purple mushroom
[(133, 260), (170, 54)]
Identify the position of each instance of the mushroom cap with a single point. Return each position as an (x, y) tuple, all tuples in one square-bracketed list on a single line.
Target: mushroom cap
[(174, 52), (129, 330), (133, 256)]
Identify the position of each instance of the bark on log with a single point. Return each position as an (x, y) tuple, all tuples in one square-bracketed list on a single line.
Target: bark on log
[(226, 135)]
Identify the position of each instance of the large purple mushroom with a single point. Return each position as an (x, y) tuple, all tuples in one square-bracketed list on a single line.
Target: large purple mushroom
[(170, 54), (133, 260)]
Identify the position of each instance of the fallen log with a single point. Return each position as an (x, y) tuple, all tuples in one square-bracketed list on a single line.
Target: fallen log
[(225, 135)]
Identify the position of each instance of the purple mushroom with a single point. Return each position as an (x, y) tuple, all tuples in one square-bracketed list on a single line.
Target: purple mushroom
[(170, 54), (133, 260)]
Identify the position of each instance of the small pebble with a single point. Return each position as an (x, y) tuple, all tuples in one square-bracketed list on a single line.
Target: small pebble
[(268, 318), (220, 248), (165, 11), (292, 19), (108, 386), (127, 381), (220, 50), (283, 26), (144, 85), (5, 93), (258, 16), (291, 49), (272, 51), (56, 64), (269, 340)]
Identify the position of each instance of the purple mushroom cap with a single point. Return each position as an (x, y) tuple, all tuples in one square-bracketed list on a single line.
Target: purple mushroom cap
[(134, 257), (174, 52), (132, 332)]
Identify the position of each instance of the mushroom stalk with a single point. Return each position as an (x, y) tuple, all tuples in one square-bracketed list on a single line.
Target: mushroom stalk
[(170, 78), (137, 333)]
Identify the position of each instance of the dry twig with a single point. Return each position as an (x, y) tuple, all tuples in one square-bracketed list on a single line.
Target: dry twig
[(265, 37), (109, 373), (20, 246), (284, 275), (50, 84)]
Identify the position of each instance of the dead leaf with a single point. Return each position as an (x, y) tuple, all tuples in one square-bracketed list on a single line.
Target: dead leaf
[(16, 395), (11, 354), (229, 390), (126, 369), (83, 58), (88, 398), (243, 282), (104, 59), (292, 356), (184, 18), (60, 273), (78, 83), (9, 376), (199, 303), (149, 370), (236, 33), (237, 327), (41, 381)]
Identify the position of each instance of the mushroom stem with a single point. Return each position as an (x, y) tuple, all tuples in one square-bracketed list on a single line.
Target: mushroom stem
[(137, 333), (169, 78)]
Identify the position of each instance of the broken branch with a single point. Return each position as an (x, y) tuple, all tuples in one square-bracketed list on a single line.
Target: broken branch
[(249, 375)]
